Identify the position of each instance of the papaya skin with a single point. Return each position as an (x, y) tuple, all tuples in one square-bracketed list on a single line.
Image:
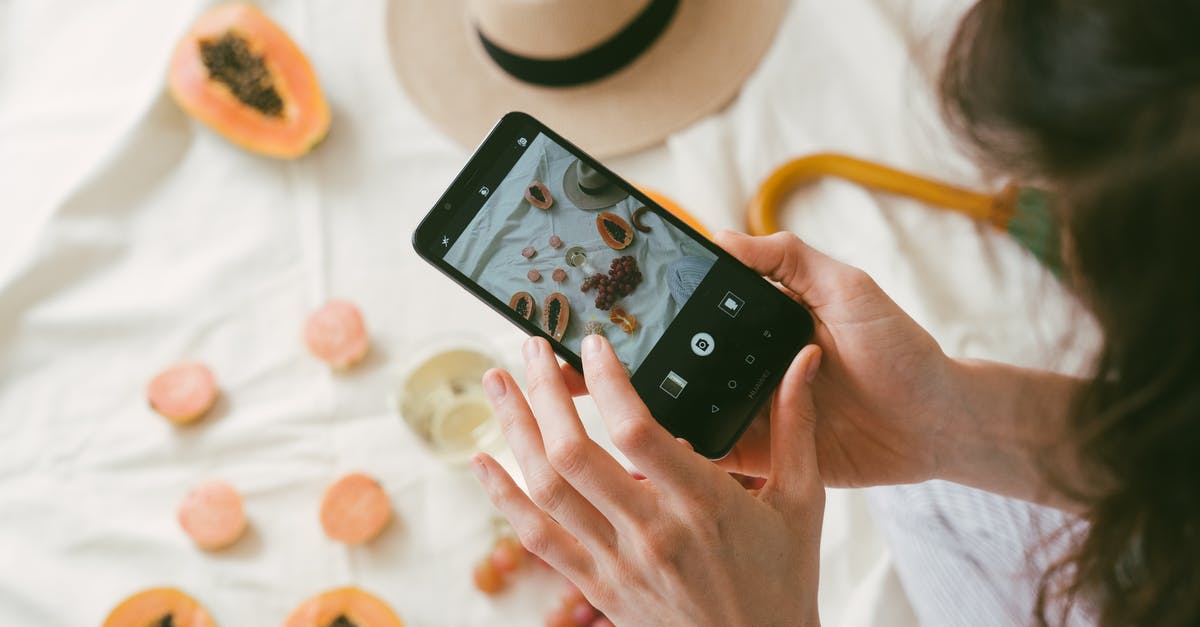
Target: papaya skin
[(149, 607), (304, 120), (355, 605)]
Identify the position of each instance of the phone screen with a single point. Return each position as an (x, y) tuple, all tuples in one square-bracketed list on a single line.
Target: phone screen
[(563, 247)]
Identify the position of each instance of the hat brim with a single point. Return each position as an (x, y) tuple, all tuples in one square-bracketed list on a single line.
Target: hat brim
[(609, 196), (694, 68)]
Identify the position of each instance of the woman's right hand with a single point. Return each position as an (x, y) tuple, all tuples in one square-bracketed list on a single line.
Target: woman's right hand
[(884, 389)]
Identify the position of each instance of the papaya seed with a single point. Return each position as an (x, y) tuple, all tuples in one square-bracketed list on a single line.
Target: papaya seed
[(230, 61)]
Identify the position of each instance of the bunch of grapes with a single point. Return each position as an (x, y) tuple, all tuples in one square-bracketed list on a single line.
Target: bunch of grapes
[(622, 278), (624, 275), (593, 281), (492, 571)]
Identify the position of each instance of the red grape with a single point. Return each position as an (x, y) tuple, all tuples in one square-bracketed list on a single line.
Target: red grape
[(623, 277), (559, 617), (487, 579), (583, 614), (507, 554), (571, 595)]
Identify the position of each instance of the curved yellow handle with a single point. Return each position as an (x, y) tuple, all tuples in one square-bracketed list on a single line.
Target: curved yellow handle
[(761, 212)]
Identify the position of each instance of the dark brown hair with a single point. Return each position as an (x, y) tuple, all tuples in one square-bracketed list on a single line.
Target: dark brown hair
[(1100, 100)]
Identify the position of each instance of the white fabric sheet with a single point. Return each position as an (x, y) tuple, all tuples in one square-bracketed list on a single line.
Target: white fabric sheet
[(132, 237)]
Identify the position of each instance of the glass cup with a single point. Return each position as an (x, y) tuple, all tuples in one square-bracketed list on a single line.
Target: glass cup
[(440, 396)]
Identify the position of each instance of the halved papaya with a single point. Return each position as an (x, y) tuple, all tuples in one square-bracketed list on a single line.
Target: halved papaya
[(615, 231), (343, 607), (239, 72), (157, 607), (522, 303), (556, 314), (538, 195)]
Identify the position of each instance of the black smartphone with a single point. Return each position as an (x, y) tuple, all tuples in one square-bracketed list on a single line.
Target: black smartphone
[(558, 244)]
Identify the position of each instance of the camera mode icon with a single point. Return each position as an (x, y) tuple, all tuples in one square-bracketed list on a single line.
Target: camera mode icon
[(673, 385), (731, 304)]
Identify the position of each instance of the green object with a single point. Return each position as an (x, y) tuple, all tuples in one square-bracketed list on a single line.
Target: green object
[(1035, 225)]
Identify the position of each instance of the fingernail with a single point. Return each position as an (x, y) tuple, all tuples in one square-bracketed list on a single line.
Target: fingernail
[(814, 364), (591, 345), (493, 385), (479, 469), (532, 346)]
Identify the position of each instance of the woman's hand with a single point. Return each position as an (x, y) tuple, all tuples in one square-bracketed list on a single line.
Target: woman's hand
[(885, 386), (686, 546), (885, 390)]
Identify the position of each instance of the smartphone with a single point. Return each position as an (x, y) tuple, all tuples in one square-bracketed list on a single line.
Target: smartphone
[(561, 246)]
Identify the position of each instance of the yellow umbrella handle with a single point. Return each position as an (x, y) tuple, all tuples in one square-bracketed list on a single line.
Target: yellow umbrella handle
[(761, 212)]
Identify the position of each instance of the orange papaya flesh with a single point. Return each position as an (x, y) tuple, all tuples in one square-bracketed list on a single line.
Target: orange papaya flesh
[(239, 73), (614, 230), (344, 607), (159, 607), (556, 314)]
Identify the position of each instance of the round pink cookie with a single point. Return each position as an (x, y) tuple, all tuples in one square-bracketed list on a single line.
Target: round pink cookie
[(336, 335)]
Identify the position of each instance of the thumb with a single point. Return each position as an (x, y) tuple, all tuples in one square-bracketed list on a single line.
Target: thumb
[(793, 428), (785, 258)]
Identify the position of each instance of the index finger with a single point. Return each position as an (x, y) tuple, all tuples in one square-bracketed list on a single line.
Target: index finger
[(577, 458), (575, 383), (654, 451)]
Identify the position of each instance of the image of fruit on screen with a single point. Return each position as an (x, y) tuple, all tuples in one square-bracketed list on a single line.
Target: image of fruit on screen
[(576, 254)]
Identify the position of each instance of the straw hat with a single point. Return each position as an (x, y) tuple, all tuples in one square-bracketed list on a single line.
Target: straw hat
[(611, 75), (589, 189)]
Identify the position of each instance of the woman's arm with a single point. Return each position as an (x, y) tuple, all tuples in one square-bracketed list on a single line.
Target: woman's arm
[(1008, 431)]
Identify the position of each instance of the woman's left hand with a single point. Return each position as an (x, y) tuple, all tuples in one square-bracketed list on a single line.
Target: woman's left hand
[(686, 546)]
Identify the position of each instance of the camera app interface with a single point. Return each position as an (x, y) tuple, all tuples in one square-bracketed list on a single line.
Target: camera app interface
[(576, 254), (703, 338)]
